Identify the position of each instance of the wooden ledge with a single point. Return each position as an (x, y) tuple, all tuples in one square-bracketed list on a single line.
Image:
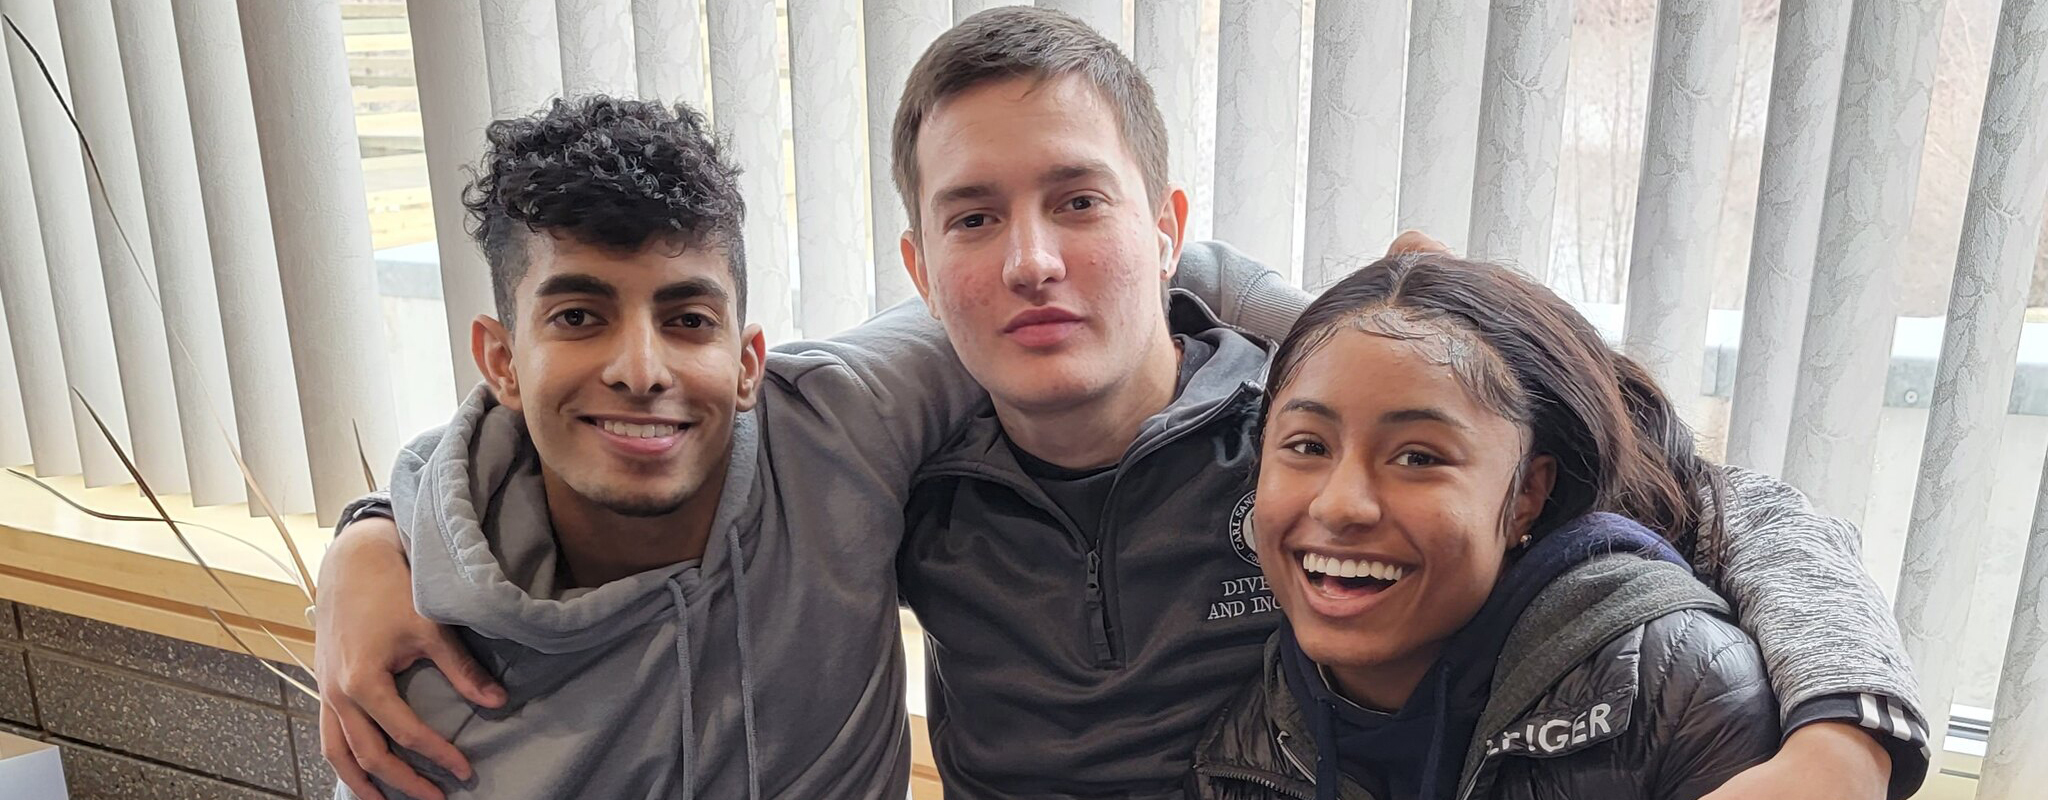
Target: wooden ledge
[(138, 575)]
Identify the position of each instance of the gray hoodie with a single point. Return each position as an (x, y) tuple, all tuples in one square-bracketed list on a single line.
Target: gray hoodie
[(769, 668)]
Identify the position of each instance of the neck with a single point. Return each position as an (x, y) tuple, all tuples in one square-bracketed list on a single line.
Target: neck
[(1384, 686), (599, 545), (1097, 432)]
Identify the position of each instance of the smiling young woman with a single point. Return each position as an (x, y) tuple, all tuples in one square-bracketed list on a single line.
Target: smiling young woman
[(1464, 499)]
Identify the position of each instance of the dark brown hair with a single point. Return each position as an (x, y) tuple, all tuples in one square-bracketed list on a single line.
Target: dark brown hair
[(605, 172), (1026, 42), (1618, 443)]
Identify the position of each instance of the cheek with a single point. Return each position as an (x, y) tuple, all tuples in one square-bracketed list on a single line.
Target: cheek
[(965, 292), (1280, 505)]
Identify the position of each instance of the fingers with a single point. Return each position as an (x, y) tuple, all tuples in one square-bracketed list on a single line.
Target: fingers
[(366, 742), (1416, 242), (469, 678), (335, 748)]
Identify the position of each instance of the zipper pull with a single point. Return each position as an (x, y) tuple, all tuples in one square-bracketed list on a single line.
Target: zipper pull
[(1098, 614)]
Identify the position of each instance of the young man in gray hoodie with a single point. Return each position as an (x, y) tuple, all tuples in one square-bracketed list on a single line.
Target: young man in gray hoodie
[(1076, 552), (609, 520)]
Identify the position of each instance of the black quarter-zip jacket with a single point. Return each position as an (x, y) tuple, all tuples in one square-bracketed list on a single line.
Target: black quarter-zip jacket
[(1039, 627)]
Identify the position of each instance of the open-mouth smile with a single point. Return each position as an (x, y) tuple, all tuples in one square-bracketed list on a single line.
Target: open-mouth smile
[(1344, 587)]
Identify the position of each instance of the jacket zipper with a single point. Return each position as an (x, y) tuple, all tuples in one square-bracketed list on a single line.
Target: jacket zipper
[(1098, 612), (1253, 777), (1106, 635)]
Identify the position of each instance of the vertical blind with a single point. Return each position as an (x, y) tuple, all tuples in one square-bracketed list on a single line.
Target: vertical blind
[(211, 282)]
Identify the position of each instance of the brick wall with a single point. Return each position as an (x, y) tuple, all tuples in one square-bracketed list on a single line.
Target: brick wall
[(144, 717)]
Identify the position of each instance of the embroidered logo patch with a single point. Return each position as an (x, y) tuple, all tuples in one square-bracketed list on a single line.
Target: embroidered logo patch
[(1242, 537)]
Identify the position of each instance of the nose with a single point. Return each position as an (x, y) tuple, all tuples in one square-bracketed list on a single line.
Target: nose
[(637, 366), (1348, 502), (1033, 261)]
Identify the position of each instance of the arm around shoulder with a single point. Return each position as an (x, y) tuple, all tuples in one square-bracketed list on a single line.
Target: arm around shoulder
[(1796, 579)]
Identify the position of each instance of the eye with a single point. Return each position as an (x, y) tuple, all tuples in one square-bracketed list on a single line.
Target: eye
[(574, 318), (973, 221), (1082, 203), (1416, 458), (1307, 447), (693, 321)]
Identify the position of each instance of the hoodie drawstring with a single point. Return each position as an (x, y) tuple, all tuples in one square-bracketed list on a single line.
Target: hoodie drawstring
[(739, 592), (1329, 778), (675, 593)]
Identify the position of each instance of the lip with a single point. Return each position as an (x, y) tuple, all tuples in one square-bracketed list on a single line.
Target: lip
[(1043, 326), (636, 446), (1339, 608)]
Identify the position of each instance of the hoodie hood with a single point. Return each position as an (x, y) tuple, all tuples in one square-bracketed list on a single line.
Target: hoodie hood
[(484, 555)]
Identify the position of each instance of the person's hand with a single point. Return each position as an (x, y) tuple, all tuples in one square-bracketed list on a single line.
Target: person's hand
[(365, 631), (1415, 242), (1821, 761)]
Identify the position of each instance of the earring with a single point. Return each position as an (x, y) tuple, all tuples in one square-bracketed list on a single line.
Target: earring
[(1523, 543)]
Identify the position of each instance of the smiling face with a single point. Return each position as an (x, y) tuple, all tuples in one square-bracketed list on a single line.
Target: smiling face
[(1037, 245), (1388, 498), (628, 367)]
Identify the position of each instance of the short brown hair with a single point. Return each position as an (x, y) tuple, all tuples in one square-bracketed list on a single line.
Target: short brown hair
[(1026, 42)]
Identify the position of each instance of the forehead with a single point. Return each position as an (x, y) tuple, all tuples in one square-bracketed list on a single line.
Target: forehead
[(1363, 374), (1017, 127)]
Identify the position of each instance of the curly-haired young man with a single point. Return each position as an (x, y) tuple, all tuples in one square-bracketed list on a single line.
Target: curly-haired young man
[(607, 523)]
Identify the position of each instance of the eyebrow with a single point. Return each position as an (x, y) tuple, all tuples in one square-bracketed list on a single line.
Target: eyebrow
[(1421, 415), (964, 192), (1063, 173), (690, 289), (574, 283), (1311, 407)]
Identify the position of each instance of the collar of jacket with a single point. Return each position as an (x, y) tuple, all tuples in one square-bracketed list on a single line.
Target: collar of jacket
[(1569, 678), (1231, 380)]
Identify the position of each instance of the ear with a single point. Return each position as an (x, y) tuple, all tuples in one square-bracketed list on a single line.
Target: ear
[(913, 263), (1173, 227), (491, 345), (753, 365), (1538, 478)]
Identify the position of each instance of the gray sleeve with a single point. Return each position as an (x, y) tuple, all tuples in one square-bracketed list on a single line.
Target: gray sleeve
[(374, 504), (892, 387), (1796, 579), (1243, 292)]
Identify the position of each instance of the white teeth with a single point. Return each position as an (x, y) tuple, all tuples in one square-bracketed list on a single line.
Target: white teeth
[(1349, 568), (638, 431)]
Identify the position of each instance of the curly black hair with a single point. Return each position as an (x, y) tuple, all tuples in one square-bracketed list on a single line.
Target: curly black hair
[(606, 172)]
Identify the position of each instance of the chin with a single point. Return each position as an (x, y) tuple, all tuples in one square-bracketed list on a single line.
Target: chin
[(1054, 387), (1332, 647), (635, 501)]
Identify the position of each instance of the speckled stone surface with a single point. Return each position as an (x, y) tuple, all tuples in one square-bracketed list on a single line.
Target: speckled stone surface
[(16, 704), (293, 698), (164, 657), (128, 713), (92, 774), (7, 626), (316, 779)]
